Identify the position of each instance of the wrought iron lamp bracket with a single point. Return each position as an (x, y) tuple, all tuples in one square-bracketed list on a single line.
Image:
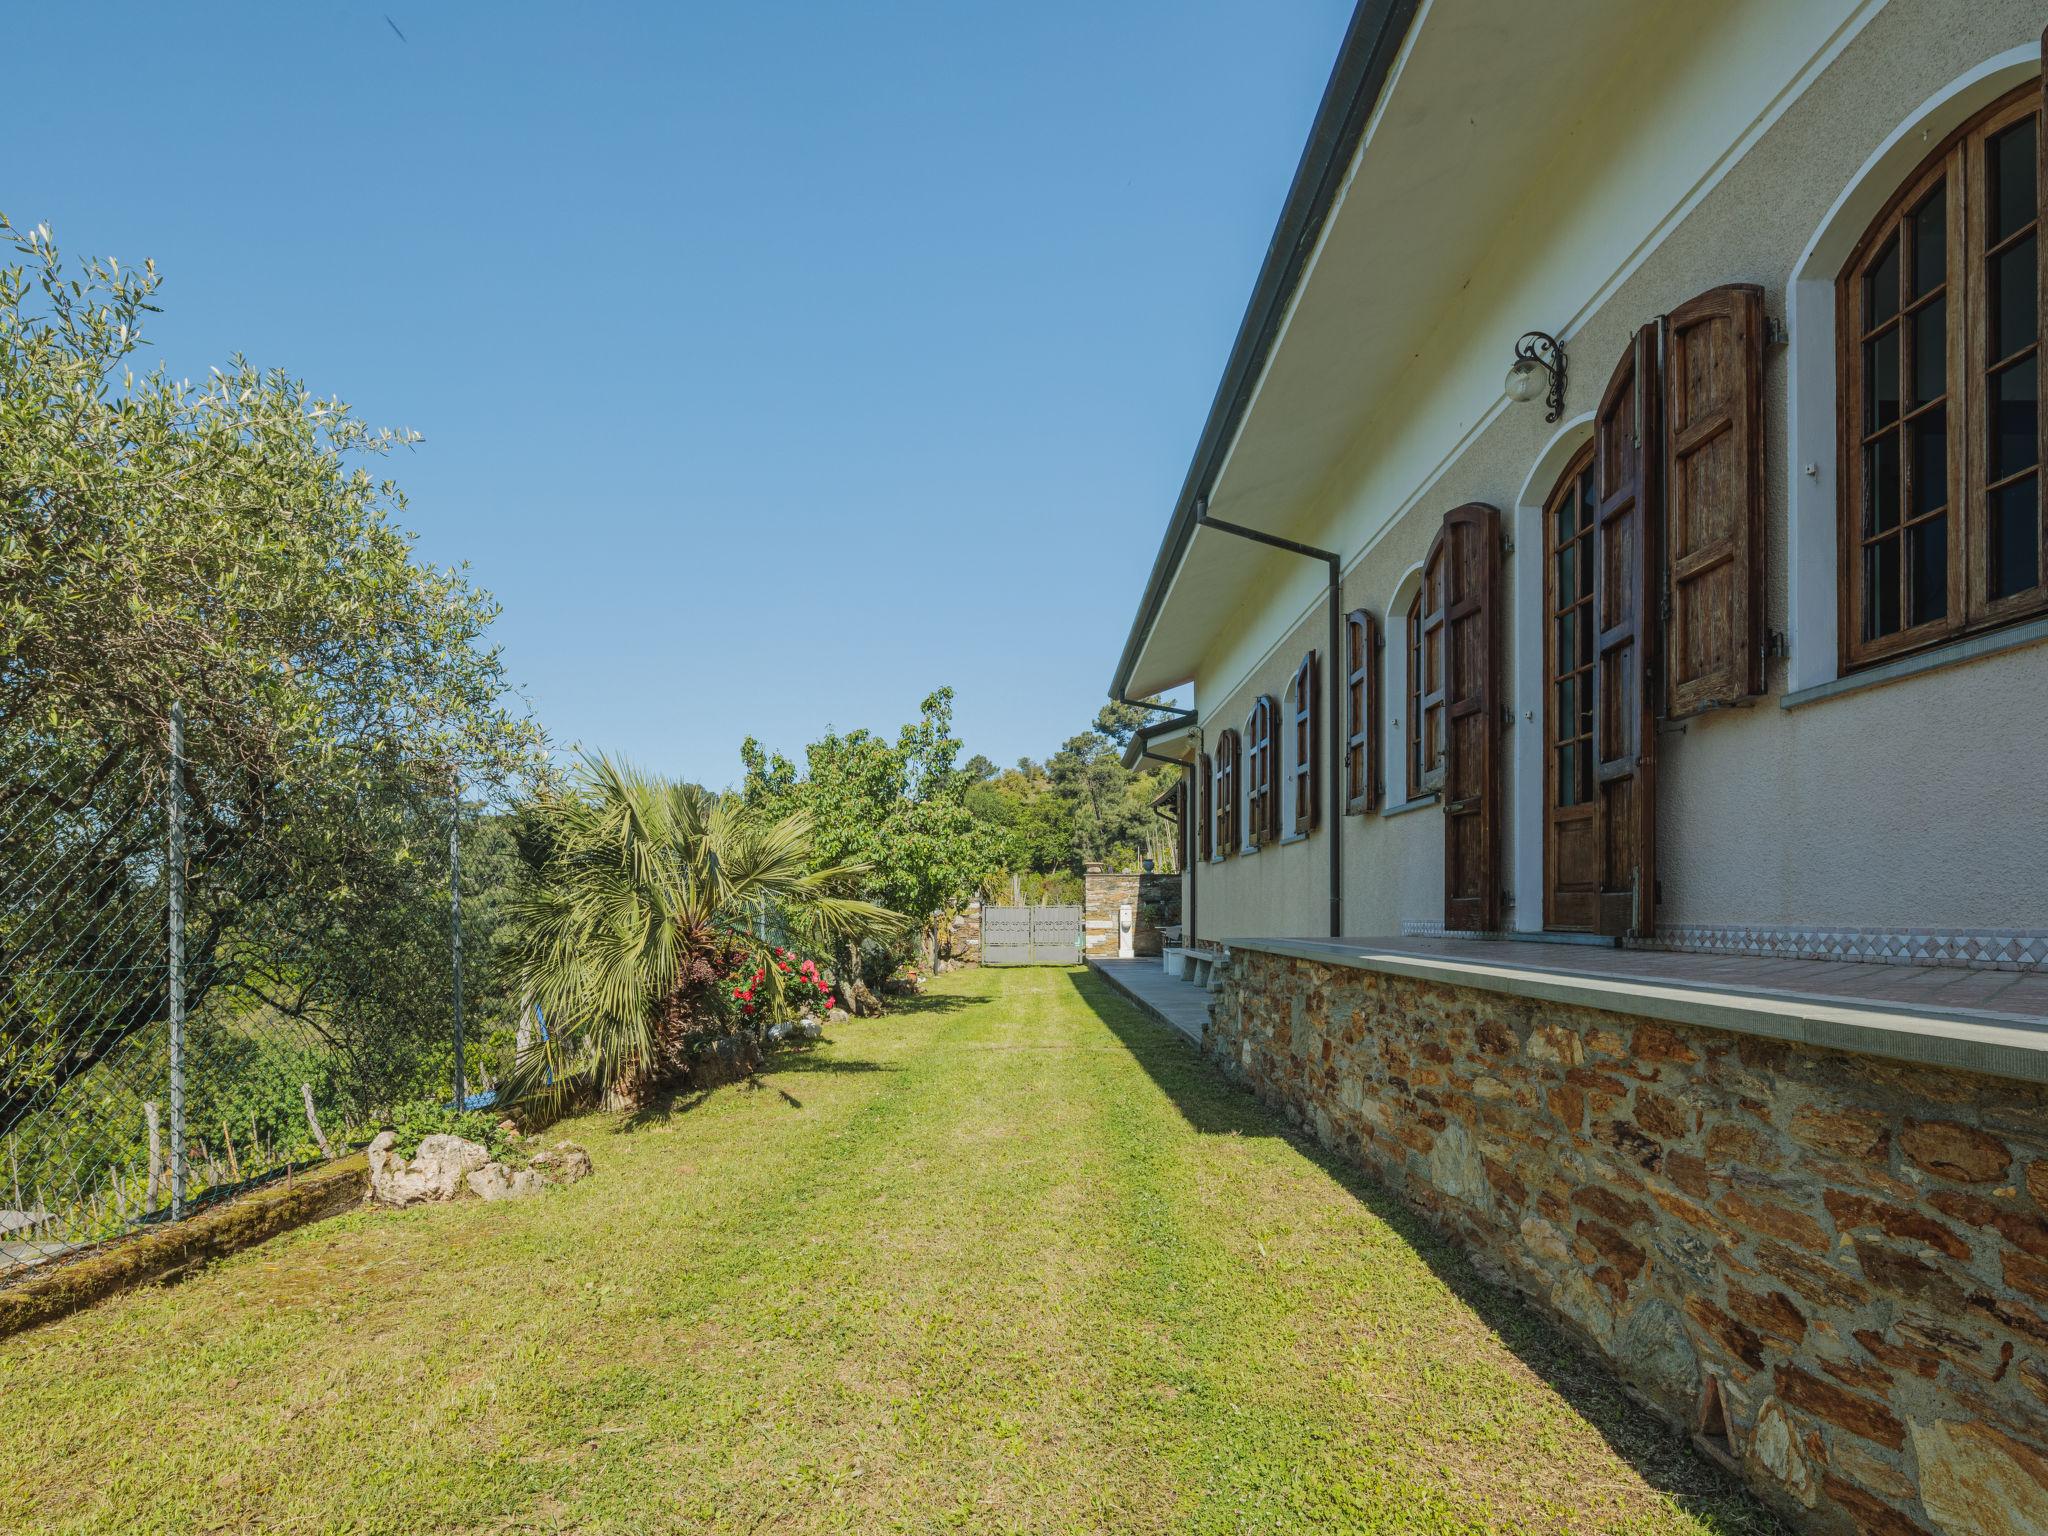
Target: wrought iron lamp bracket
[(1540, 349)]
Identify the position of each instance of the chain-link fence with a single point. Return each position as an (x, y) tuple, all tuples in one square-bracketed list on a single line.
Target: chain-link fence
[(164, 1040)]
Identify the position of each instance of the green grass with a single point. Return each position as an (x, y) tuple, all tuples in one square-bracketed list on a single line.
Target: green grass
[(1011, 1259)]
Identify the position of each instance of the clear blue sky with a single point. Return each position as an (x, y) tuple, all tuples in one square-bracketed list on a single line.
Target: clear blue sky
[(777, 363)]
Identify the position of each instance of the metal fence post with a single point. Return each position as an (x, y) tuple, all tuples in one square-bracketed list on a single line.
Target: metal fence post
[(175, 815), (455, 931)]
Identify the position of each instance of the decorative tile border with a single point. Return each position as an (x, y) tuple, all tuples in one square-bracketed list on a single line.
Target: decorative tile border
[(1993, 949), (1982, 949)]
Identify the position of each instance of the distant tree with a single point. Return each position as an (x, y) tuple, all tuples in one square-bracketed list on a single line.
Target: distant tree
[(899, 810)]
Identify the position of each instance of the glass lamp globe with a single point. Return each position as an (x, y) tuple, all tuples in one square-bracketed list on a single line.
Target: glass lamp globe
[(1524, 382)]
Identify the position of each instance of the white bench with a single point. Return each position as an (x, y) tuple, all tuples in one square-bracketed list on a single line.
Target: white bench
[(1201, 966)]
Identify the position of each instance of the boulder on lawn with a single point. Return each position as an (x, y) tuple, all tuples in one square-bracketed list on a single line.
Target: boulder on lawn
[(807, 1028), (837, 1016), (494, 1181), (564, 1163), (436, 1173)]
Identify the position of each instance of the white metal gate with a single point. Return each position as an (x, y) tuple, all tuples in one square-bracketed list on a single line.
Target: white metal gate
[(1030, 935)]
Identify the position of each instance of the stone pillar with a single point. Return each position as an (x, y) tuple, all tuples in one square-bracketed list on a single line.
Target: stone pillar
[(1103, 893)]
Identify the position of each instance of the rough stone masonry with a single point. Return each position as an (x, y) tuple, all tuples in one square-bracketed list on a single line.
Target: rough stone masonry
[(1850, 1254)]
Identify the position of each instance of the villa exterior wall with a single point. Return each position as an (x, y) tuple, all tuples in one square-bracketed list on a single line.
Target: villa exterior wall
[(1854, 1251), (1901, 806)]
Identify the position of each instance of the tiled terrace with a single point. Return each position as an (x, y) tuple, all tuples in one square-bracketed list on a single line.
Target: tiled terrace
[(1975, 1020)]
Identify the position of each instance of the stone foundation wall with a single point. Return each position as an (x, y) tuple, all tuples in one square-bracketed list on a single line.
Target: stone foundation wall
[(1850, 1254)]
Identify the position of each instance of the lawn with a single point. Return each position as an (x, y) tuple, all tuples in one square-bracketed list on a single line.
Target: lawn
[(1011, 1259)]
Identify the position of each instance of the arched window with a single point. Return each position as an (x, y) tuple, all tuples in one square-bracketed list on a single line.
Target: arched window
[(1941, 363), (1226, 795), (1426, 683), (1261, 787), (1305, 743), (1361, 713)]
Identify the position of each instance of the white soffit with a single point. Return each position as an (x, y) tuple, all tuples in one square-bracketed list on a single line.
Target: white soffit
[(1484, 98)]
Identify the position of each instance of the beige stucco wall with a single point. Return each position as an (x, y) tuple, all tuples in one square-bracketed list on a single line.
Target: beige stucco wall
[(1912, 804)]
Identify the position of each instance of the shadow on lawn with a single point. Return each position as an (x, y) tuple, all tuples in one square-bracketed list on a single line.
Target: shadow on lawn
[(1214, 1106)]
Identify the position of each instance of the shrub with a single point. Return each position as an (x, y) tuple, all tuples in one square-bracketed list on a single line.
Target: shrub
[(415, 1121)]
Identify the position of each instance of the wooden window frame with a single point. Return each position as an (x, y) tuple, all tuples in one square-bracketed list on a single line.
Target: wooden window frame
[(1960, 166), (1426, 691), (1305, 742), (1227, 754), (1363, 775), (1205, 772), (1261, 783)]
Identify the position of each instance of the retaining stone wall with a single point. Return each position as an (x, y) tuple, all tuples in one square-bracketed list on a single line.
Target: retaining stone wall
[(1854, 1250)]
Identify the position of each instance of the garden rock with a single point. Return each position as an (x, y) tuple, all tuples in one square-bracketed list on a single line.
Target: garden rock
[(565, 1163), (435, 1174), (837, 1016), (807, 1028), (494, 1181)]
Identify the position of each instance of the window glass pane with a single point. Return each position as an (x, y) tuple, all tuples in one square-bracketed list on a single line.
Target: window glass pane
[(1881, 381), (1930, 460), (2015, 419), (1586, 624), (1927, 570), (1567, 572), (1881, 485), (2015, 538), (2010, 172), (1881, 286), (1567, 708), (1585, 773), (2014, 291), (1929, 226), (1930, 351), (1567, 649), (1567, 780), (1881, 589)]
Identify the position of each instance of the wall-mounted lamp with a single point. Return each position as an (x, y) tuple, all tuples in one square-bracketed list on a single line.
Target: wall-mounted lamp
[(1538, 353)]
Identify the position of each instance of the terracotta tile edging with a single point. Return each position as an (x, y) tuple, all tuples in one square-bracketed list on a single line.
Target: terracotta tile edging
[(71, 1285)]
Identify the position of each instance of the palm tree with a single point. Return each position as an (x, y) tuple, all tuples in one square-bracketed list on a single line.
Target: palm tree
[(639, 895)]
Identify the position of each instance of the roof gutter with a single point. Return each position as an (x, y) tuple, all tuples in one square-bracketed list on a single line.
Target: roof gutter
[(1363, 63)]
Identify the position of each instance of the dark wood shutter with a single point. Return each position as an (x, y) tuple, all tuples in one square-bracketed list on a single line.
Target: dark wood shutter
[(1205, 771), (1464, 567), (1626, 464), (1305, 738), (1183, 817), (1362, 782), (1714, 500)]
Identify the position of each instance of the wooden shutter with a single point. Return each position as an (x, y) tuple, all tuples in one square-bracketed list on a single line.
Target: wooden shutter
[(1362, 713), (1714, 500), (1306, 743), (1205, 771), (1183, 815), (1464, 567), (1626, 462)]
